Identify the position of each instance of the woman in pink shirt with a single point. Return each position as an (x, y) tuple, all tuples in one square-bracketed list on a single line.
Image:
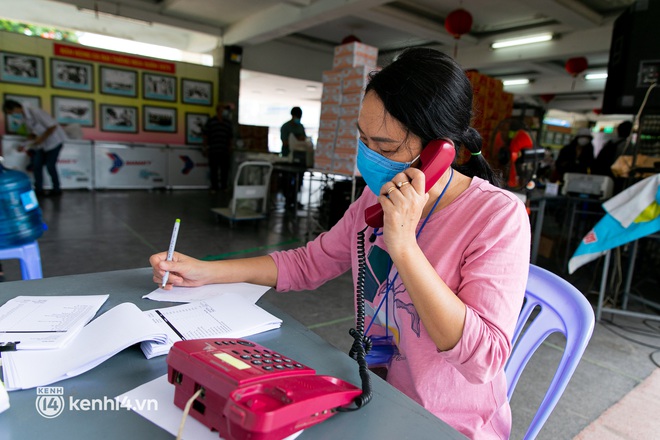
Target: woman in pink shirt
[(443, 279)]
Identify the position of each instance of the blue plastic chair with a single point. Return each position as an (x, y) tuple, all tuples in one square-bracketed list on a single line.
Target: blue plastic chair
[(561, 308), (29, 257)]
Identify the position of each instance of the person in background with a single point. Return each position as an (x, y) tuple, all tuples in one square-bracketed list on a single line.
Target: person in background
[(577, 156), (294, 126), (217, 135), (450, 264), (612, 150), (46, 137), (291, 182)]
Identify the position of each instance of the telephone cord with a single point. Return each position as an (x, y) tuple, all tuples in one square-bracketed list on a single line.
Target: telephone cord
[(186, 410), (390, 285)]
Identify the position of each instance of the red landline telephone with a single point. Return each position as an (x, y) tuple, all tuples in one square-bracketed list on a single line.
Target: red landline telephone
[(250, 391), (435, 159)]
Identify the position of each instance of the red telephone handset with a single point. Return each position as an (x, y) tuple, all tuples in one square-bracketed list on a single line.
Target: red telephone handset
[(435, 159)]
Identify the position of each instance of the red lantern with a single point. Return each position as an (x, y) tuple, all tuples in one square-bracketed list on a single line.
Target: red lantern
[(547, 97), (350, 39), (576, 66), (457, 23)]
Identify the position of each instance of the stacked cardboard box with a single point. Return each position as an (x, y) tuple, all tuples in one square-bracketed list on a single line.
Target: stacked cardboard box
[(343, 89), (255, 137), (490, 105)]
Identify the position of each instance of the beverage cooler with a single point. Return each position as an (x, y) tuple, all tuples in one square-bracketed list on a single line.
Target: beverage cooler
[(74, 166), (130, 166), (187, 167), (12, 158)]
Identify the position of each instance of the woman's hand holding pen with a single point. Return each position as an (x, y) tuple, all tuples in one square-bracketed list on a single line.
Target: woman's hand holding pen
[(184, 271)]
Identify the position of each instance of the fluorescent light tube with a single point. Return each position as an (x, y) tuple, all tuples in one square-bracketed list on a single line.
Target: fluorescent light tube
[(523, 40), (515, 82), (602, 75)]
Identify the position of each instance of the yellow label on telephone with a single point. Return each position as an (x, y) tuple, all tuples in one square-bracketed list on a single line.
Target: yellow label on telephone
[(236, 363)]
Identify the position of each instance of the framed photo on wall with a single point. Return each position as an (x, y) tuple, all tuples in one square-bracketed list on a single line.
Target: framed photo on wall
[(12, 124), (23, 69), (71, 75), (161, 119), (194, 125), (119, 118), (73, 111), (118, 81), (158, 87), (196, 92)]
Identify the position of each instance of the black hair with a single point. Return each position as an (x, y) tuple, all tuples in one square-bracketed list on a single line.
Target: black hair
[(429, 93), (10, 105), (624, 129), (296, 112)]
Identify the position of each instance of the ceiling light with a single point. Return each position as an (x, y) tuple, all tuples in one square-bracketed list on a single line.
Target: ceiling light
[(601, 75), (515, 82), (311, 88), (522, 40)]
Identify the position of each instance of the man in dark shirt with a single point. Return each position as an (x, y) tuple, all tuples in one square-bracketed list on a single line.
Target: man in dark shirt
[(217, 135), (292, 126)]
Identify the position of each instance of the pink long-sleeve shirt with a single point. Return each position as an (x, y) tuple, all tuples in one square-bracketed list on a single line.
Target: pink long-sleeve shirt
[(479, 245)]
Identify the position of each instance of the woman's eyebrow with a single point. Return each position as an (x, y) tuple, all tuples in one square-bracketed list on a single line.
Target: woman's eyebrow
[(378, 139)]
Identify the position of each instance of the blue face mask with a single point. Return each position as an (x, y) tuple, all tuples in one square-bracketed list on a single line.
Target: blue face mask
[(376, 169), (296, 120)]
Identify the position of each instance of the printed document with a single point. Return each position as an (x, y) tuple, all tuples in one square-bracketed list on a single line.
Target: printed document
[(110, 333), (224, 316), (44, 322)]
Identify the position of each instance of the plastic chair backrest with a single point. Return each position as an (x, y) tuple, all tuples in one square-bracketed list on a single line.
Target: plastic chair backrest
[(563, 309), (252, 181)]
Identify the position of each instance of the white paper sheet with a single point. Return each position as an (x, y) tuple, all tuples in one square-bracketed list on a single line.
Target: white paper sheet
[(46, 322), (189, 294), (168, 416)]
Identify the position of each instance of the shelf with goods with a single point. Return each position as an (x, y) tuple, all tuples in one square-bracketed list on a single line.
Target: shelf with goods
[(490, 105)]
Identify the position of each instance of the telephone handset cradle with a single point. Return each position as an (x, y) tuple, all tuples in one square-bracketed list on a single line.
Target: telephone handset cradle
[(435, 159)]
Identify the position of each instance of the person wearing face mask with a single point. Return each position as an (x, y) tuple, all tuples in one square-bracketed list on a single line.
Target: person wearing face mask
[(292, 126), (577, 156), (446, 273), (291, 182), (46, 137), (217, 135)]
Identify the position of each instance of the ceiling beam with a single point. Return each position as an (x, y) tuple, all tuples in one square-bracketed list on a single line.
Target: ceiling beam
[(570, 12), (580, 43), (146, 12), (285, 18), (421, 27)]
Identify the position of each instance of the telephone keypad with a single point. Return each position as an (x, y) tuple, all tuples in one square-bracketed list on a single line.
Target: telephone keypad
[(265, 360)]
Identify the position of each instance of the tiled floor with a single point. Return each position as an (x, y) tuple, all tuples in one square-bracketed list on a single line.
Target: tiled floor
[(113, 230)]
